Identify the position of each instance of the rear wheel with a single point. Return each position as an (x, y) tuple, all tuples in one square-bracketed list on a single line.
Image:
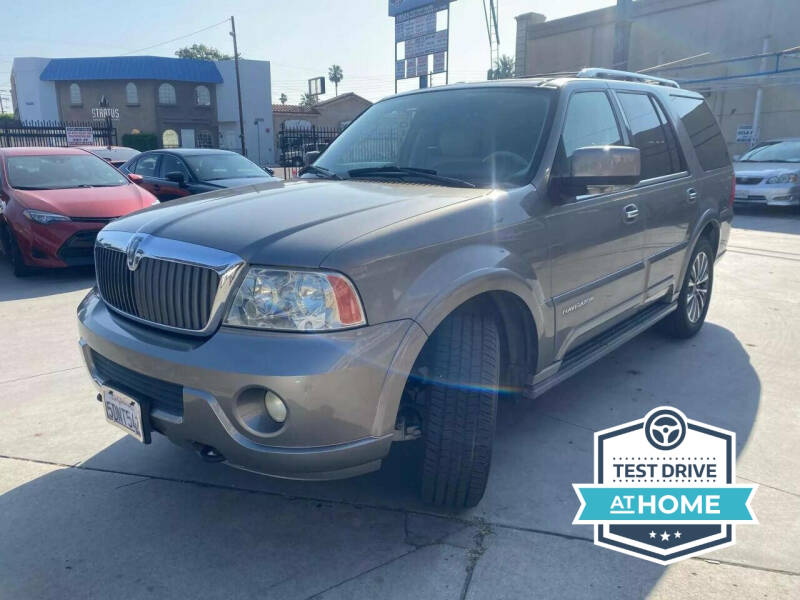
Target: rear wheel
[(695, 294), (460, 410)]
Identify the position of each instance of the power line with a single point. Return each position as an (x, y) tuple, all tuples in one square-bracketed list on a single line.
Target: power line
[(177, 38)]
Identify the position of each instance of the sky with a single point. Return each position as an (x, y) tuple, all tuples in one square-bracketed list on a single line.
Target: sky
[(301, 39)]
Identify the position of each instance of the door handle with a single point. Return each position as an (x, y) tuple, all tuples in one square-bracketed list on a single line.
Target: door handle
[(631, 213), (691, 195), (156, 186)]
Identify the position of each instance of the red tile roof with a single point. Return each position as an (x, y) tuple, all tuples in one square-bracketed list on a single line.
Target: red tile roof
[(292, 108)]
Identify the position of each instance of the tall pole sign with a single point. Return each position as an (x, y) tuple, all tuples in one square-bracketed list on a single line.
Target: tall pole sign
[(421, 39)]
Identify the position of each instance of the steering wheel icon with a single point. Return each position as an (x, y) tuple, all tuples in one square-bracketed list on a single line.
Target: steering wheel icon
[(665, 429)]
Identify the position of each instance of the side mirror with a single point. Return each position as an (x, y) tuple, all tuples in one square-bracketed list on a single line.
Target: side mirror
[(601, 166), (310, 157), (269, 171), (135, 178), (177, 177)]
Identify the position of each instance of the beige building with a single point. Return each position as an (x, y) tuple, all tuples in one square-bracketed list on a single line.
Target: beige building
[(648, 33), (335, 113)]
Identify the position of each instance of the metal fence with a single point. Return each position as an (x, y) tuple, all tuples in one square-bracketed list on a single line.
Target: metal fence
[(294, 143), (380, 145), (14, 134)]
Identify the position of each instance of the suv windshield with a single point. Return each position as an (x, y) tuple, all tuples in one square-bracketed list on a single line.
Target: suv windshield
[(487, 137), (774, 152), (209, 167), (53, 171)]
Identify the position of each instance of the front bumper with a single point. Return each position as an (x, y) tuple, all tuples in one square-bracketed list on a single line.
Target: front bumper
[(58, 245), (334, 386), (767, 195)]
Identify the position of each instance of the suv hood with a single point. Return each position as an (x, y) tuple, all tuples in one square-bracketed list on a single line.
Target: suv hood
[(295, 224)]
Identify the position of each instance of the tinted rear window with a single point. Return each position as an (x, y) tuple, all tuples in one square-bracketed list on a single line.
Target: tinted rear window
[(712, 152), (652, 135)]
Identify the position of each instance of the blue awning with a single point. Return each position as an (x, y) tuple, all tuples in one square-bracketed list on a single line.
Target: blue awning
[(131, 67)]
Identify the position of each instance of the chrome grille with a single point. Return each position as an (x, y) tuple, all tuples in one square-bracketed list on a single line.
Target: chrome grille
[(159, 291), (173, 285), (749, 180)]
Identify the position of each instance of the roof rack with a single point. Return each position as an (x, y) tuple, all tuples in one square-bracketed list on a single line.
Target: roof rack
[(626, 76)]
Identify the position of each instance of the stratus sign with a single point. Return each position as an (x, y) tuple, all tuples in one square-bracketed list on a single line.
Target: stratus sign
[(664, 488)]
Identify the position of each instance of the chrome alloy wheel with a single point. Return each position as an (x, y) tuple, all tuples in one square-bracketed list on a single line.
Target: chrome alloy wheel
[(697, 292)]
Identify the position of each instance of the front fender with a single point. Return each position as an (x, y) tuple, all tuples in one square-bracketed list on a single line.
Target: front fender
[(456, 277)]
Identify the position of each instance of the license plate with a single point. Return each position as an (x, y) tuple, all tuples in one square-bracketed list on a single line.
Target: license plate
[(124, 412)]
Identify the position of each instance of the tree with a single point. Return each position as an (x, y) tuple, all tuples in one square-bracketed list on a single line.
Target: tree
[(202, 52), (503, 68), (335, 75), (308, 101), (283, 98)]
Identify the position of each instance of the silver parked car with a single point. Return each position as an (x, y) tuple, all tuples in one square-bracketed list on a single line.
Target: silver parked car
[(769, 174), (518, 231)]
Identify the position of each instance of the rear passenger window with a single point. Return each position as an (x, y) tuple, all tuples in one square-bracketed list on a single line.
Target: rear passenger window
[(712, 152), (590, 121), (651, 134), (146, 166)]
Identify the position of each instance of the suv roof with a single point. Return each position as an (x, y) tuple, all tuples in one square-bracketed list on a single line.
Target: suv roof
[(560, 80)]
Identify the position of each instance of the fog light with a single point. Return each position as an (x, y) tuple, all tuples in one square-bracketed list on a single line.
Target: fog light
[(275, 407)]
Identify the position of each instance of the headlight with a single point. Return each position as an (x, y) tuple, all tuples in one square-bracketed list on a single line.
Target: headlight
[(784, 178), (44, 218), (295, 301)]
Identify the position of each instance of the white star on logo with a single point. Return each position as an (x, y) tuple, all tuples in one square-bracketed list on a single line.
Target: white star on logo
[(652, 534), (665, 537), (678, 534)]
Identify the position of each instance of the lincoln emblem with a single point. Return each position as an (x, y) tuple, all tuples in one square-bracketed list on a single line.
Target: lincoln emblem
[(134, 252)]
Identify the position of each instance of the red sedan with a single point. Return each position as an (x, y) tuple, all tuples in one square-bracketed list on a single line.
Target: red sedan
[(53, 201)]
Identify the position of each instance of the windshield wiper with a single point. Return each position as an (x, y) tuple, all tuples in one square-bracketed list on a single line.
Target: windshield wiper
[(326, 173), (400, 172)]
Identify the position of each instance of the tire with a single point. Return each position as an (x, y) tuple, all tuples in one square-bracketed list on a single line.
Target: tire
[(687, 320), (460, 411), (14, 254)]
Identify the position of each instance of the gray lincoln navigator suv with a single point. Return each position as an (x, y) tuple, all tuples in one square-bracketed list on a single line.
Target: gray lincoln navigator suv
[(454, 246)]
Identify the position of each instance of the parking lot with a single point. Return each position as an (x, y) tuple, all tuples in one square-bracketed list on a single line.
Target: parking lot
[(86, 512)]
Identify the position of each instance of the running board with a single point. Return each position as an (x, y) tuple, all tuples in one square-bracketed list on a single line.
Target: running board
[(584, 355)]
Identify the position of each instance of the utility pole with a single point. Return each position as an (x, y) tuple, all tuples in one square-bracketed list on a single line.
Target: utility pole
[(238, 85), (622, 35)]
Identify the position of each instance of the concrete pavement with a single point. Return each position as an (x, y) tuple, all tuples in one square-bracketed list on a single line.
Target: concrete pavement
[(87, 512)]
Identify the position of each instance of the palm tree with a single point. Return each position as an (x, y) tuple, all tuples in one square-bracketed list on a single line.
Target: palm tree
[(503, 68), (283, 98), (308, 100), (335, 75)]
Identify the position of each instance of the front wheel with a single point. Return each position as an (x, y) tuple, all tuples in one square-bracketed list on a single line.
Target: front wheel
[(695, 294), (11, 248), (460, 410)]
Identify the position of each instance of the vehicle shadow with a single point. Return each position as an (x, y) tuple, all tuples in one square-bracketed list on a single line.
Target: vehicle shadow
[(143, 520), (44, 282), (773, 219)]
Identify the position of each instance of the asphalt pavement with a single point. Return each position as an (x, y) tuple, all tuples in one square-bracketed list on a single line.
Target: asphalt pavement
[(86, 512)]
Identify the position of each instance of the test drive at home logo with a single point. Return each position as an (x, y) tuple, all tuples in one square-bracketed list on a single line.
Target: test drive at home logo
[(664, 488)]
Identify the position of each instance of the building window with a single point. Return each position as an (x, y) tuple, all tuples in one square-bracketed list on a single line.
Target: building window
[(203, 139), (131, 93), (75, 95), (169, 139), (202, 96), (166, 94)]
